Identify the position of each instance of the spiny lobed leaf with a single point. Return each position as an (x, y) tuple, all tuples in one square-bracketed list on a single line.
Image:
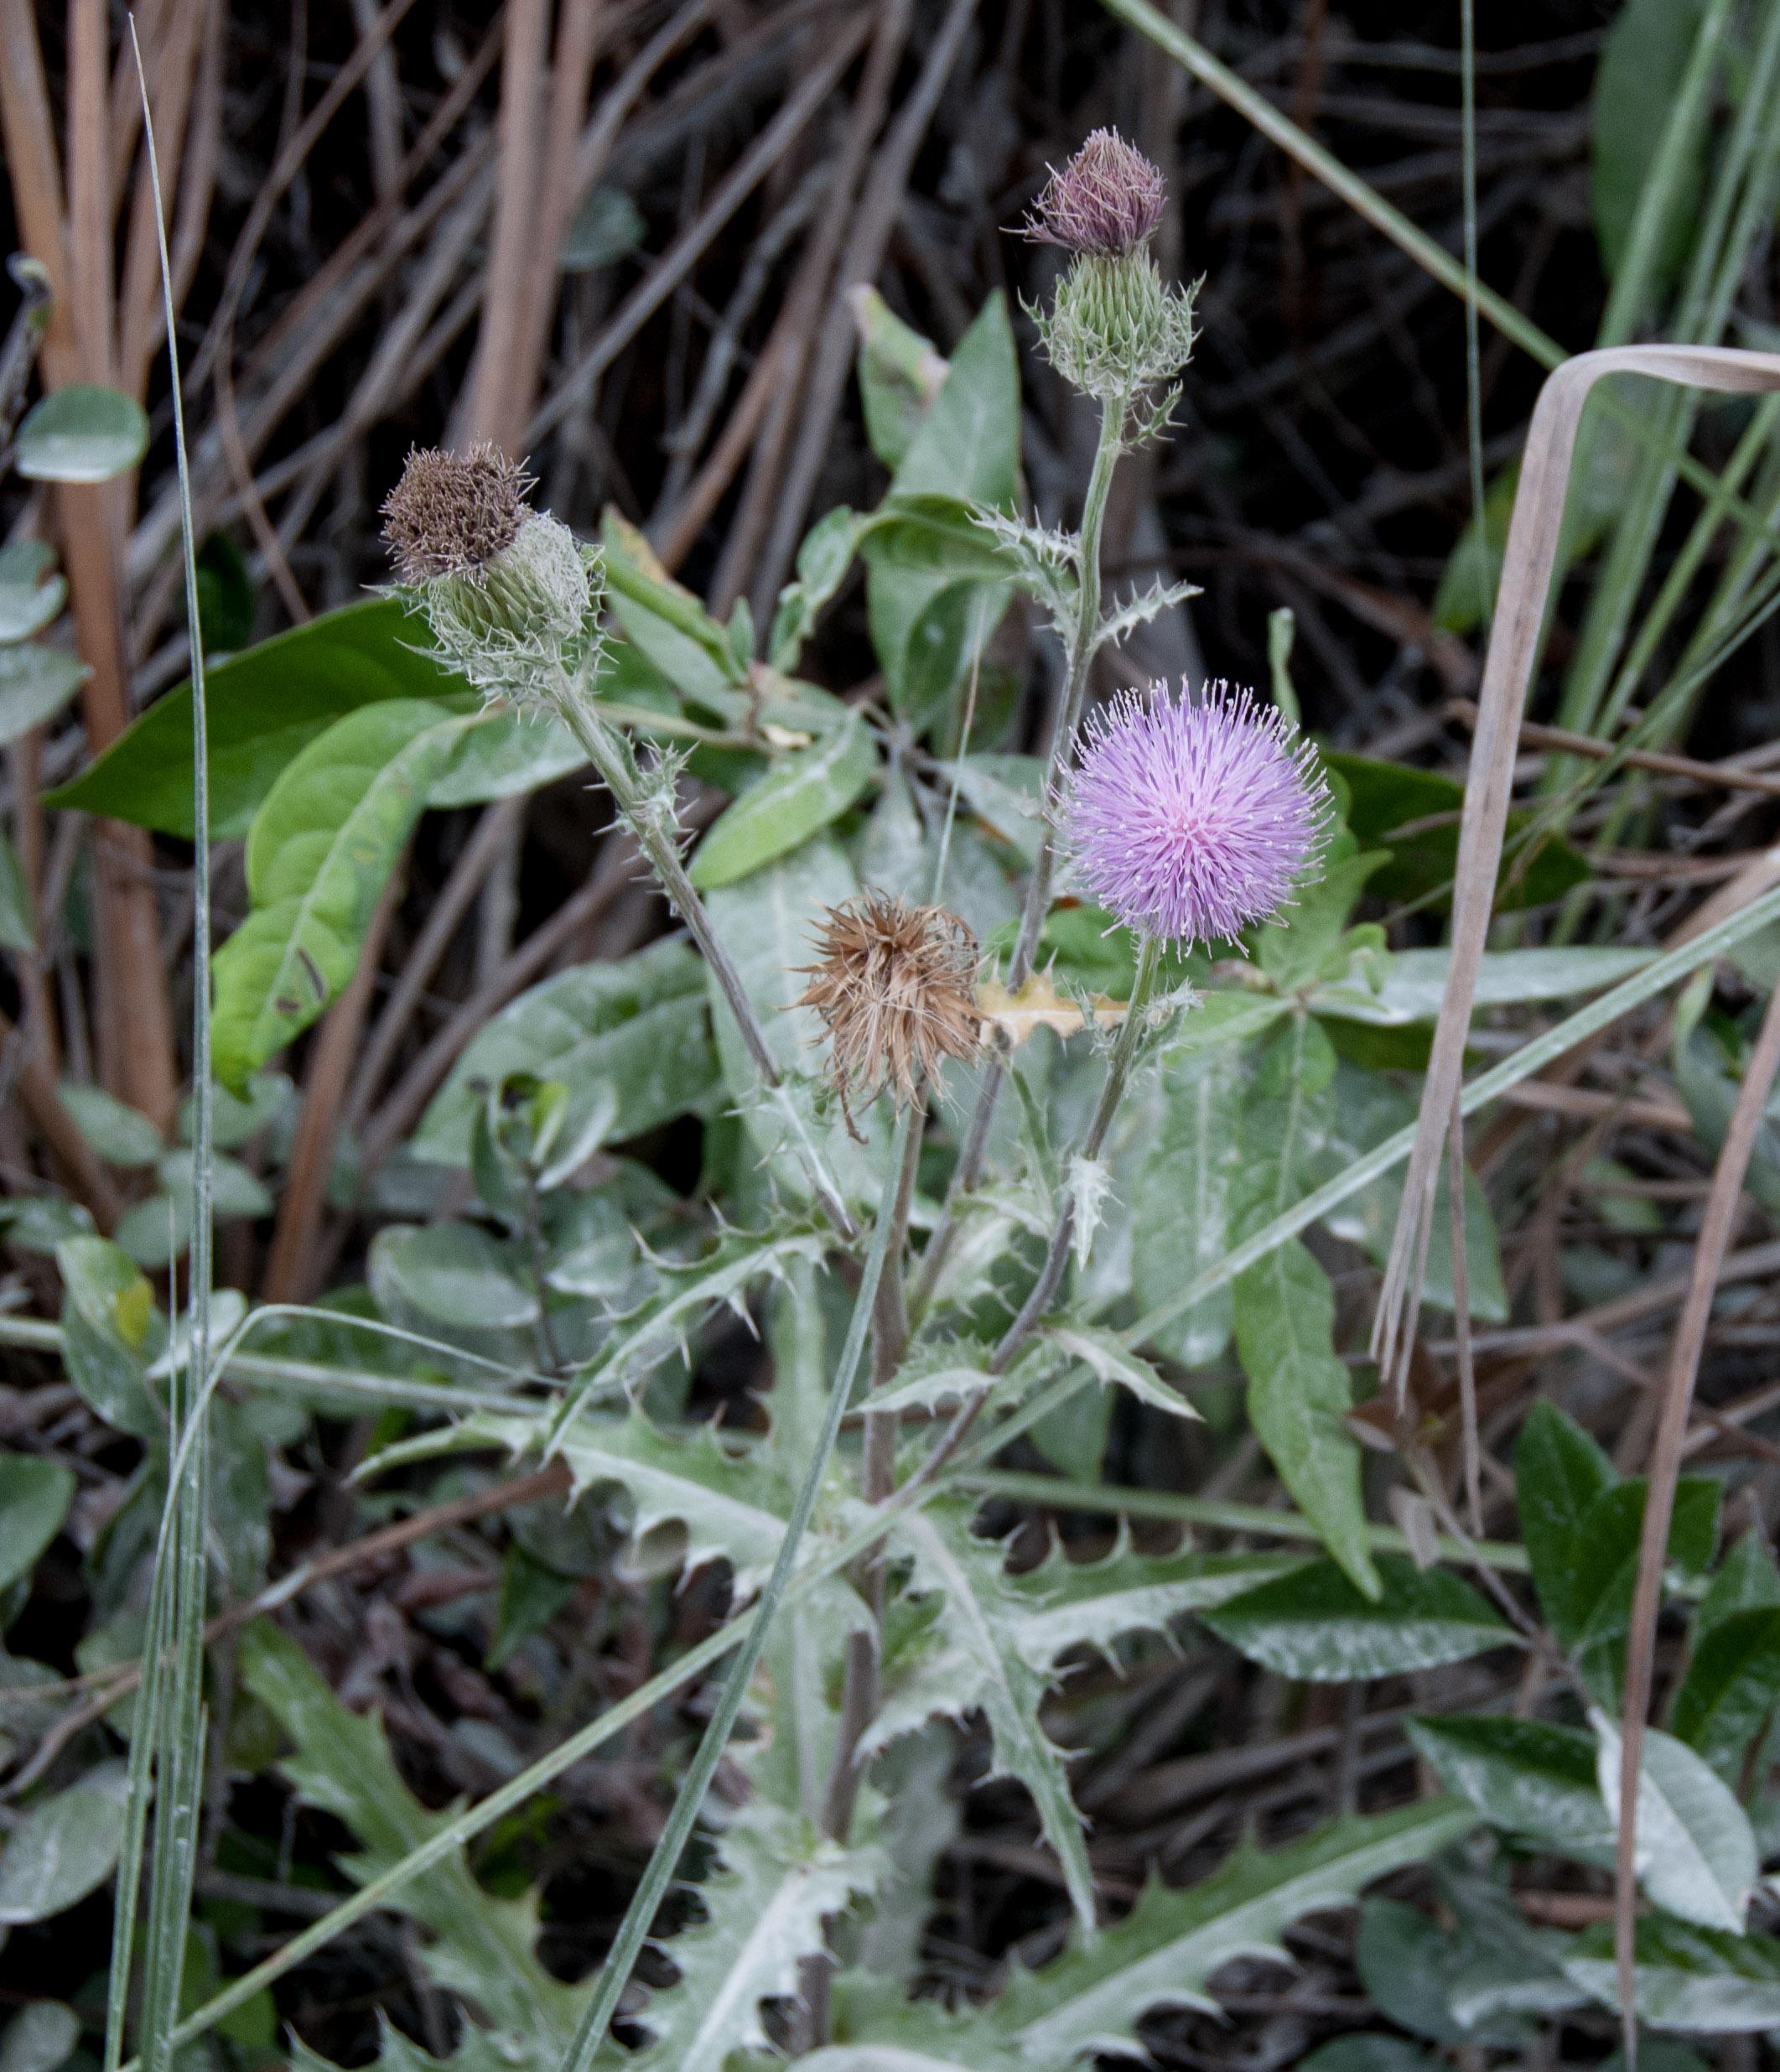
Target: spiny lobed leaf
[(483, 1947), (765, 1911)]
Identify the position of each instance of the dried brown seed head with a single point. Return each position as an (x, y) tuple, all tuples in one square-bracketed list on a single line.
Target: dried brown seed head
[(452, 513), (893, 988), (1108, 200)]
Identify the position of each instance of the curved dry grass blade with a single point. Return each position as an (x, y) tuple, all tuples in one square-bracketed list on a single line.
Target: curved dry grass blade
[(1514, 641), (1665, 1468)]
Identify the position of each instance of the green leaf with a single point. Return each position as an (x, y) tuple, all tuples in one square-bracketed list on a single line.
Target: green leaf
[(607, 226), (1385, 798), (35, 682), (765, 1913), (1644, 56), (823, 561), (31, 596), (1104, 1355), (1298, 1396), (80, 434), (972, 1661), (1182, 1197), (1524, 1776), (111, 1332), (668, 625), (1696, 1852), (1412, 983), (1172, 1943), (263, 707), (901, 373), (1604, 1557), (121, 1135), (1731, 1686), (41, 2036), (65, 1847), (966, 448), (1093, 1604), (630, 1041), (1315, 1624), (798, 796), (1694, 1979), (482, 1948), (18, 919), (1369, 2052), (320, 850), (503, 754), (157, 1230), (34, 1497), (1559, 1473), (452, 1274)]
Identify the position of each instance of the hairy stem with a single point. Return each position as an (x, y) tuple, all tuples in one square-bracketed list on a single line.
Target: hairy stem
[(641, 1911), (1065, 721), (608, 753)]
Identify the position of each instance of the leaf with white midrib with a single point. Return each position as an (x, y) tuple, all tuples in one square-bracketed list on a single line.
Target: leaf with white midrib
[(974, 1663), (1172, 1942), (764, 1914)]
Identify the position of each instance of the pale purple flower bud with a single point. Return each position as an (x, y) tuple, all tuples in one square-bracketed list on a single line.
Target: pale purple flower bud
[(1191, 817), (1108, 200)]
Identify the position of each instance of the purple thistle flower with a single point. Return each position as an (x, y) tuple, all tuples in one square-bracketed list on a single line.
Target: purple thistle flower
[(1108, 200), (1189, 819)]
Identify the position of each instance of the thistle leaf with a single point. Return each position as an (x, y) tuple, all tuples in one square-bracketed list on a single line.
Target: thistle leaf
[(764, 1914)]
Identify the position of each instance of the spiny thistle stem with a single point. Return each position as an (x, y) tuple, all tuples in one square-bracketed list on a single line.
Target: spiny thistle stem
[(608, 757), (665, 1861), (1065, 722)]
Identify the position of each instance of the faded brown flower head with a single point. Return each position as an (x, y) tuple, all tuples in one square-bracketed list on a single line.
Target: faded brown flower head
[(1108, 200), (452, 513), (893, 988)]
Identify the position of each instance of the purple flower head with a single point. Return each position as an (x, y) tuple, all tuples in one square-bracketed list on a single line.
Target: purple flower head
[(1108, 200), (1189, 819)]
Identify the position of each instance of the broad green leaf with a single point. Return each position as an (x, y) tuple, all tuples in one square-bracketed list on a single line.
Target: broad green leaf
[(1298, 1396), (1696, 1852), (1385, 798), (504, 753), (1731, 1689), (1703, 1981), (1524, 1776), (1006, 793), (157, 1230), (1182, 1199), (1559, 1473), (319, 852), (1709, 1083), (34, 1497), (1315, 1624), (35, 682), (1644, 56), (764, 1912), (1409, 1965), (669, 626), (41, 2036), (111, 1332), (31, 596), (1172, 1943), (1310, 940), (797, 796), (1369, 2052), (1414, 982), (630, 1041), (18, 919), (65, 1846), (1604, 1558), (482, 1948), (972, 1661), (454, 1273), (122, 1135), (823, 561), (263, 706), (966, 448), (80, 434), (901, 373)]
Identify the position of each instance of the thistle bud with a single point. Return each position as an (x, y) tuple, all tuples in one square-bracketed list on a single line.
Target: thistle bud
[(507, 592), (893, 988), (1108, 200)]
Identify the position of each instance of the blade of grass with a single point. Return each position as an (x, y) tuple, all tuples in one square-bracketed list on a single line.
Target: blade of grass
[(171, 1733)]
